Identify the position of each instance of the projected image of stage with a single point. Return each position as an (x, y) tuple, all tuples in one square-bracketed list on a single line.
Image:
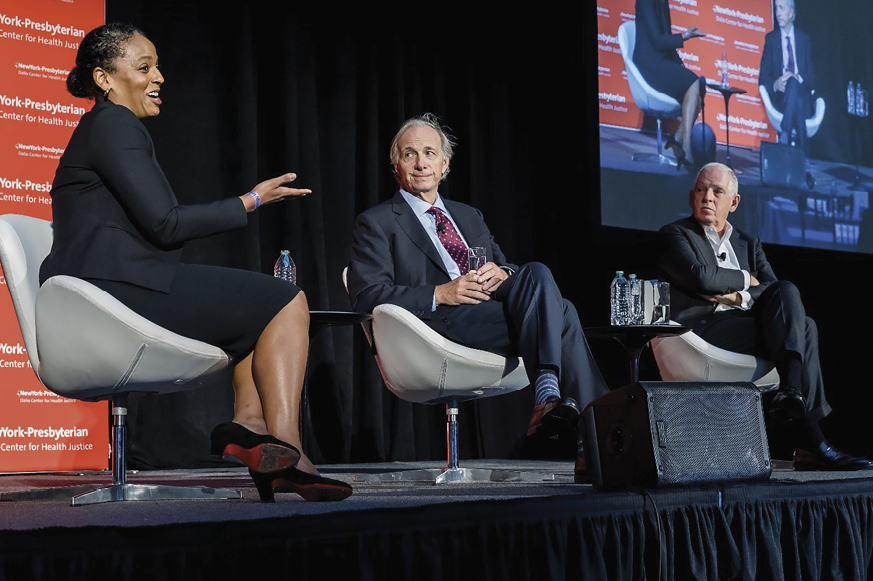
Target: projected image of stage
[(808, 190)]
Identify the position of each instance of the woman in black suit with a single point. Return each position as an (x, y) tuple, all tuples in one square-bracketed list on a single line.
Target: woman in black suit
[(117, 224), (656, 57)]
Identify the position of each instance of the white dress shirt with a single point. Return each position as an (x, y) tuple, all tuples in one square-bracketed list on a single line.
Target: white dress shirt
[(420, 208), (721, 246), (785, 59)]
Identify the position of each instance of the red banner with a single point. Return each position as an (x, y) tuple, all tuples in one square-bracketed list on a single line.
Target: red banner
[(40, 430), (735, 29)]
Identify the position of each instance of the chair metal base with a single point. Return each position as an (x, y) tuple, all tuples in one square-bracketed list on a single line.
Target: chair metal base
[(86, 494), (452, 473), (453, 476), (654, 157), (658, 157)]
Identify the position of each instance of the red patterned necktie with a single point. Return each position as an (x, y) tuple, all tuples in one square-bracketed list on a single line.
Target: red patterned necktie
[(451, 239), (791, 66)]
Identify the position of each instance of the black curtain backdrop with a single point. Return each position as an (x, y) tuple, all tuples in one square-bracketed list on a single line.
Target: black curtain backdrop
[(256, 89)]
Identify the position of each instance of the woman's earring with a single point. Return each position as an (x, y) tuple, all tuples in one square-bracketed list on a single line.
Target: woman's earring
[(106, 92)]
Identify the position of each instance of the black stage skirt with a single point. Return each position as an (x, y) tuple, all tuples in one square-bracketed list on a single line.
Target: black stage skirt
[(225, 307)]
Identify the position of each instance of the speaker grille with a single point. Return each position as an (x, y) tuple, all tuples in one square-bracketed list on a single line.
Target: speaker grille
[(711, 432)]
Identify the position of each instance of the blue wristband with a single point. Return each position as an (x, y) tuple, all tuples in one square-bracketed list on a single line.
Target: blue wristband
[(256, 197)]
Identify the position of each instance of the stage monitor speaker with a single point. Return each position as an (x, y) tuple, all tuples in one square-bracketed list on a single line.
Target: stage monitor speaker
[(782, 165), (676, 433)]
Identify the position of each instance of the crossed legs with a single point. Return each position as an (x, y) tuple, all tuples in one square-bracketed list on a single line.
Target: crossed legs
[(778, 329), (528, 317), (690, 111), (268, 383), (795, 106)]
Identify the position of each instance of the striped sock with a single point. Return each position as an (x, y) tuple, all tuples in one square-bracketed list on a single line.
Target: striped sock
[(546, 386)]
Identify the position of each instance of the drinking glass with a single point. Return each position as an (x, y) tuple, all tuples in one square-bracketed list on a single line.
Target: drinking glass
[(661, 311), (476, 257)]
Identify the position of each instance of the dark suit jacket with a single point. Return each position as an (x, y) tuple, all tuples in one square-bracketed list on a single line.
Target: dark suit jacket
[(689, 264), (771, 63), (114, 214), (655, 40), (394, 261)]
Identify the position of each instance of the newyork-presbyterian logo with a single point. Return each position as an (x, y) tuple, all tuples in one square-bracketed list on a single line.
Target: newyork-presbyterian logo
[(42, 105), (25, 185), (48, 433), (41, 26)]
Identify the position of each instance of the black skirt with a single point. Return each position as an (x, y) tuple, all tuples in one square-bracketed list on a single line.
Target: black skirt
[(668, 76), (225, 307)]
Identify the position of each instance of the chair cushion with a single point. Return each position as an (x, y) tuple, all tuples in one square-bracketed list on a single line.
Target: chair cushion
[(687, 357), (420, 365), (91, 346)]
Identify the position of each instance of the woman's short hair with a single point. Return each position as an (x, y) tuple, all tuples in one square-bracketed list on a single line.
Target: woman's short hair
[(100, 48)]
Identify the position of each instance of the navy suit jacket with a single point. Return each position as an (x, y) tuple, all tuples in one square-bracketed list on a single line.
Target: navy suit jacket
[(772, 67), (394, 260), (115, 217), (691, 267)]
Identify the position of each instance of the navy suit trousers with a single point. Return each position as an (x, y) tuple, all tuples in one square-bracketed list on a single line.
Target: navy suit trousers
[(527, 317)]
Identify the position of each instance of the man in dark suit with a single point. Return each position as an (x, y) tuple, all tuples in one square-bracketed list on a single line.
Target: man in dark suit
[(411, 251), (722, 286), (787, 73)]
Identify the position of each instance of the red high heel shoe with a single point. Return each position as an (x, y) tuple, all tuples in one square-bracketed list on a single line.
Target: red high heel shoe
[(312, 487), (260, 452)]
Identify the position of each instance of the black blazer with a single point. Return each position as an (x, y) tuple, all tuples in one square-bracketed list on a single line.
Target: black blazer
[(655, 40), (771, 63), (689, 264), (115, 217), (394, 260)]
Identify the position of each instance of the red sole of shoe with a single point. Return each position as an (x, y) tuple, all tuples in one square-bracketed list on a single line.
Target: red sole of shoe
[(265, 458), (313, 492)]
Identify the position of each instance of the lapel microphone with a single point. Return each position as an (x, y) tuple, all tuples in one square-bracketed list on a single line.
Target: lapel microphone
[(722, 256), (441, 227)]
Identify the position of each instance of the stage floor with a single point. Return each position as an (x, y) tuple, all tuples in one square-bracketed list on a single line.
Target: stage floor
[(542, 479)]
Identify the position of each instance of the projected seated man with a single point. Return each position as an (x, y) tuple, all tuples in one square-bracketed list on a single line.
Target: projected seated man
[(724, 289), (787, 73), (411, 251)]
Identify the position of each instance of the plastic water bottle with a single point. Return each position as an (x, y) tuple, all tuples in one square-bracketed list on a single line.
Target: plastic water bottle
[(285, 268), (725, 77), (618, 294), (635, 300), (859, 100), (850, 98)]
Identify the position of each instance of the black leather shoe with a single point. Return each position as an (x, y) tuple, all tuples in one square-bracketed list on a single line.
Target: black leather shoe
[(788, 404), (555, 416), (678, 152), (260, 452), (826, 457)]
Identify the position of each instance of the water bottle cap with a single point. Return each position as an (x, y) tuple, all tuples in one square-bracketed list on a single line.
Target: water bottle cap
[(619, 272), (286, 252), (631, 276)]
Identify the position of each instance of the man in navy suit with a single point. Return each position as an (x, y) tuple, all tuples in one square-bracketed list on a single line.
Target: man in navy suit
[(722, 286), (788, 74), (411, 251)]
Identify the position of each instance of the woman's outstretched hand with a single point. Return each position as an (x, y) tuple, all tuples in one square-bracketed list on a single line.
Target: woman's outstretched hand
[(274, 190)]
